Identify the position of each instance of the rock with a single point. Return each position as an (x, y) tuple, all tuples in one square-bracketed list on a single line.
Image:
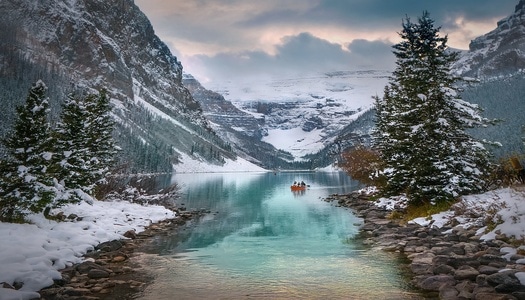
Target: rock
[(98, 273), (434, 283), (119, 258), (466, 273), (87, 266), (488, 270), (492, 260), (465, 289), (420, 269), (5, 285), (443, 269), (509, 288), (75, 291), (493, 296), (459, 261), (130, 234), (422, 258), (502, 278), (448, 292), (519, 295), (422, 235), (72, 216), (109, 246)]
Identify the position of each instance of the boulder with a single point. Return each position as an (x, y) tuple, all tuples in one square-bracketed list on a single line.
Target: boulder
[(466, 273), (98, 273), (443, 269), (434, 283), (448, 292), (502, 278)]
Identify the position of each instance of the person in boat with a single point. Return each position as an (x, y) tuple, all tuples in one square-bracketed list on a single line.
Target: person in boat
[(294, 183), (302, 183)]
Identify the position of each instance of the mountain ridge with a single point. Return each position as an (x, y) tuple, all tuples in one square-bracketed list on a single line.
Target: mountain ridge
[(93, 44)]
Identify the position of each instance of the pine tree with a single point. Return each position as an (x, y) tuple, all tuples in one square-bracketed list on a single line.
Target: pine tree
[(25, 184), (421, 122), (101, 145), (84, 144), (72, 151)]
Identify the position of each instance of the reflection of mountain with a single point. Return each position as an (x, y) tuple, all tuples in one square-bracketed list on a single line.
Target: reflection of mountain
[(253, 205)]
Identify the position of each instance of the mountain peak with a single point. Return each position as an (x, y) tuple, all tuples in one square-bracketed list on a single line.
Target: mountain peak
[(520, 6), (499, 52)]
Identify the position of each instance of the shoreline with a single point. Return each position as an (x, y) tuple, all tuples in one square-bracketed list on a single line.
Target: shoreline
[(446, 263), (110, 272)]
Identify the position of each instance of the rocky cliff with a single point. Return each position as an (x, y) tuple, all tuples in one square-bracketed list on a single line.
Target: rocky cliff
[(94, 44), (499, 52)]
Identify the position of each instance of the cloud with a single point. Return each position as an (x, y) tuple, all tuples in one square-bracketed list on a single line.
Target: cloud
[(217, 37), (302, 53)]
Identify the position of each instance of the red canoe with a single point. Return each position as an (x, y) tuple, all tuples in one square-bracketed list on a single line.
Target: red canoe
[(298, 187)]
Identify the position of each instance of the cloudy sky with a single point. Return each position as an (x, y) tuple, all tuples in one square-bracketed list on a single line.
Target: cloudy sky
[(226, 39)]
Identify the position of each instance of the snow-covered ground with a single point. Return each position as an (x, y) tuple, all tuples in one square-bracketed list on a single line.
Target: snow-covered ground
[(504, 206), (33, 253)]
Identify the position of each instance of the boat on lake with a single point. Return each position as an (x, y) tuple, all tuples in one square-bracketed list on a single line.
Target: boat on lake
[(298, 187)]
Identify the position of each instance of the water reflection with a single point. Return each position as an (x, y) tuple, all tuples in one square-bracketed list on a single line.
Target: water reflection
[(265, 241)]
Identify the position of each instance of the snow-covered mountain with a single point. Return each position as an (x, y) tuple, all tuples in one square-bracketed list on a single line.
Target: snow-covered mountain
[(94, 44), (243, 130), (305, 113), (497, 60), (499, 52), (165, 118)]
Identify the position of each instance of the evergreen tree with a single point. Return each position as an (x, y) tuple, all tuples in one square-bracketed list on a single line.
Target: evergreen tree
[(25, 183), (71, 150), (84, 145), (421, 122), (101, 145)]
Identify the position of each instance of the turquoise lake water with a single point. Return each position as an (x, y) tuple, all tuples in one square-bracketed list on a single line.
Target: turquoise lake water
[(263, 241)]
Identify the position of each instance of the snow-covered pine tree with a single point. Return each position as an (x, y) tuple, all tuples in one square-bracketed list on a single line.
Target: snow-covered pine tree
[(25, 183), (421, 122), (84, 144), (71, 151), (101, 145)]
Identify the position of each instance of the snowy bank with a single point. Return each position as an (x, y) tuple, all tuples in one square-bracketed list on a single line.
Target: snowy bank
[(33, 253), (503, 206)]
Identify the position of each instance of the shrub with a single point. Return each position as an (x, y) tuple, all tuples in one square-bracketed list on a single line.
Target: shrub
[(364, 165)]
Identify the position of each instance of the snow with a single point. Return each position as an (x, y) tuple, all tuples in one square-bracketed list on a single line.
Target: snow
[(354, 88), (33, 253), (335, 99), (503, 206), (154, 110), (192, 165), (295, 140)]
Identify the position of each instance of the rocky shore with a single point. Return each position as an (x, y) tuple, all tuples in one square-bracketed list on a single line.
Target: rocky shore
[(448, 262), (109, 272)]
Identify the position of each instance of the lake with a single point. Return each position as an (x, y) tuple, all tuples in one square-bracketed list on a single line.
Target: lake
[(263, 241)]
